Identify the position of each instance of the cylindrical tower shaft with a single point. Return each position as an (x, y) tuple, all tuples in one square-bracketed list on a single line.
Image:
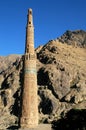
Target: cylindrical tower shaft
[(29, 33), (29, 117)]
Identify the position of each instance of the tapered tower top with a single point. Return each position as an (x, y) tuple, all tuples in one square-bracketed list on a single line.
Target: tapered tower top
[(29, 48), (30, 18)]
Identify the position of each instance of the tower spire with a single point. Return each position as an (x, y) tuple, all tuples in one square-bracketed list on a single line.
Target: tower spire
[(29, 48), (29, 116), (30, 18)]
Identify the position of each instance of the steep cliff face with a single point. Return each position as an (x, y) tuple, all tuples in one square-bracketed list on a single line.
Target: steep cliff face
[(61, 72)]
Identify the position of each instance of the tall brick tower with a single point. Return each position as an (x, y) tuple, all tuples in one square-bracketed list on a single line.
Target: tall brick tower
[(29, 117)]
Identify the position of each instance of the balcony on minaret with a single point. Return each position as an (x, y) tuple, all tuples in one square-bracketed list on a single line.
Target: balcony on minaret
[(30, 56)]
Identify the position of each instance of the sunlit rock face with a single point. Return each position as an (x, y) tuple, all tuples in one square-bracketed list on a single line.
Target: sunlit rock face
[(61, 77), (76, 38)]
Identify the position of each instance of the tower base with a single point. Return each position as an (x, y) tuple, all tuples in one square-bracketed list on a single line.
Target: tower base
[(39, 127)]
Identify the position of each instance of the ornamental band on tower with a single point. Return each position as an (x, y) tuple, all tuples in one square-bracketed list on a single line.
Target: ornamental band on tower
[(29, 114)]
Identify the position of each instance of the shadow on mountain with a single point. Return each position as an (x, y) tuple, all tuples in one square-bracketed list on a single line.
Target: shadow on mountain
[(42, 77), (16, 107), (75, 119), (13, 128)]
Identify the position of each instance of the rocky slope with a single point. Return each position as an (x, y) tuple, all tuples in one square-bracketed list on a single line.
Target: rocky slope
[(61, 72), (76, 38)]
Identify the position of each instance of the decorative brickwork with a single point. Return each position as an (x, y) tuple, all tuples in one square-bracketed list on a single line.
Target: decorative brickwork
[(29, 117)]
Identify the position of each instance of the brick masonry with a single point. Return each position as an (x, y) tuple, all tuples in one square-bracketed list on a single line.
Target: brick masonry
[(40, 127), (29, 117)]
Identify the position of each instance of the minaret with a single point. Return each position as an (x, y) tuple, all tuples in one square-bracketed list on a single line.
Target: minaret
[(29, 115)]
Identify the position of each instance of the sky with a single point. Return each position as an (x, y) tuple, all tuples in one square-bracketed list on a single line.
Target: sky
[(51, 19)]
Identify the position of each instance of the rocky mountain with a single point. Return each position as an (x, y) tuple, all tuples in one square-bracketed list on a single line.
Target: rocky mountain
[(61, 73), (77, 38)]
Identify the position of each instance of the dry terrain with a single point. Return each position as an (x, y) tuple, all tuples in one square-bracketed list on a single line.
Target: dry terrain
[(61, 72)]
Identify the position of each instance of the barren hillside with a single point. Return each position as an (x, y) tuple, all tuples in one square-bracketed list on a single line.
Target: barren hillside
[(61, 73)]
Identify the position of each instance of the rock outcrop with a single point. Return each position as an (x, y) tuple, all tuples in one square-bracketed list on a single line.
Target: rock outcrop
[(61, 72), (75, 38)]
